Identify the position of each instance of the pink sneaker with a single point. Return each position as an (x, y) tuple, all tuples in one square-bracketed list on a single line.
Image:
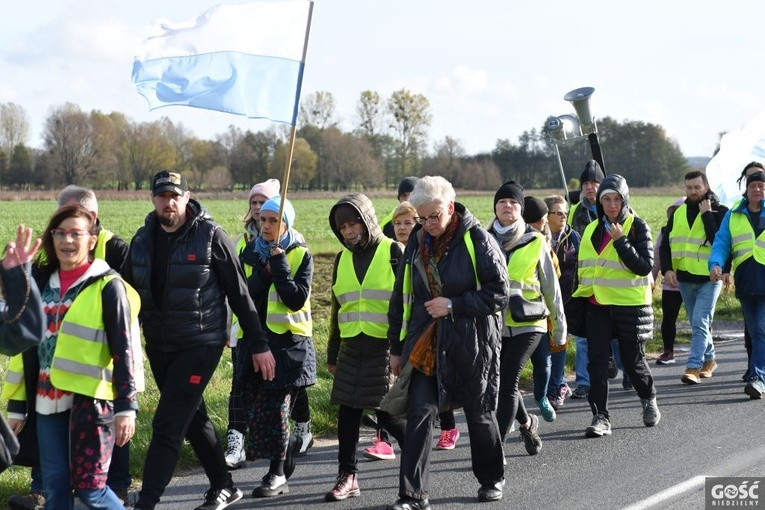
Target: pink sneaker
[(448, 439), (380, 450)]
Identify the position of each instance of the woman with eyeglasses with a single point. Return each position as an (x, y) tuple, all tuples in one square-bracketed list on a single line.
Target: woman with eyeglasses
[(565, 243), (404, 220), (77, 387), (444, 323), (534, 296)]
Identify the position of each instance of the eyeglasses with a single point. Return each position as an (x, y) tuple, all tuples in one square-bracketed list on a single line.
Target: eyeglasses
[(559, 213), (59, 234), (433, 218), (611, 201)]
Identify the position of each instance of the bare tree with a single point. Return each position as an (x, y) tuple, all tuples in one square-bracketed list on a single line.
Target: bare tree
[(369, 110), (411, 117), (447, 161), (304, 160), (68, 137), (14, 129), (350, 161), (318, 109), (205, 156), (148, 150)]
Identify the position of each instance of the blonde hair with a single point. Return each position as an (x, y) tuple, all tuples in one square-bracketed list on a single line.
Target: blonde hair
[(403, 208)]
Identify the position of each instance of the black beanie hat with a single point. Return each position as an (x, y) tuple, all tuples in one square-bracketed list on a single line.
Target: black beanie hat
[(533, 209), (406, 185), (755, 177), (591, 172), (510, 189)]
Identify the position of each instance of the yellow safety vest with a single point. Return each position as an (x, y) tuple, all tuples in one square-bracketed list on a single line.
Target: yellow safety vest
[(743, 242), (690, 251), (570, 217), (407, 294), (604, 276), (364, 306), (522, 273), (82, 361), (14, 389), (103, 237), (281, 319), (241, 242), (387, 219)]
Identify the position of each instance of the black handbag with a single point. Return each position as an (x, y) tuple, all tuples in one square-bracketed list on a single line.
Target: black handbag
[(575, 309), (9, 445), (523, 310)]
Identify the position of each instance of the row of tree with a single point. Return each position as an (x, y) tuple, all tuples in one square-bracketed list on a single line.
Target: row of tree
[(388, 141)]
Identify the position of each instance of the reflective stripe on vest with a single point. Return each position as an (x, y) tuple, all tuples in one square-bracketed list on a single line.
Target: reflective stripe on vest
[(407, 292), (14, 388), (281, 319), (522, 275), (743, 242), (364, 306), (103, 237), (690, 251), (605, 276), (82, 360)]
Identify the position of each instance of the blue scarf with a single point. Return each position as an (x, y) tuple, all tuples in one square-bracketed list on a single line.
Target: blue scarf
[(263, 247)]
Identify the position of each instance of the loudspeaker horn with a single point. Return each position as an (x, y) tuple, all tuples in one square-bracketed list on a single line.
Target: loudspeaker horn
[(580, 98)]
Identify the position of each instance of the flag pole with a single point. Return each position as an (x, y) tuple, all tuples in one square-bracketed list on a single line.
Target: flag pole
[(293, 131)]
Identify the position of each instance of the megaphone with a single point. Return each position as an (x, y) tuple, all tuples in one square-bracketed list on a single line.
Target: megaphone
[(580, 99), (563, 127)]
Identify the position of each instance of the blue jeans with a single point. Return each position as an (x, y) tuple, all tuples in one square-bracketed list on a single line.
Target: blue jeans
[(119, 471), (754, 315), (557, 372), (541, 362), (53, 439), (699, 300), (37, 483), (580, 362), (581, 359)]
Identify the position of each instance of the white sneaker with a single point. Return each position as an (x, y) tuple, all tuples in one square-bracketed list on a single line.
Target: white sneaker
[(235, 457), (303, 429)]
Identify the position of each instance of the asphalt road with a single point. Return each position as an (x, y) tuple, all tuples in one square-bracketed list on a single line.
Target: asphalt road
[(711, 429)]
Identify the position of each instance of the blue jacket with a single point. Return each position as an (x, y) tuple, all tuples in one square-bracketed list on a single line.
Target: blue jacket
[(749, 275)]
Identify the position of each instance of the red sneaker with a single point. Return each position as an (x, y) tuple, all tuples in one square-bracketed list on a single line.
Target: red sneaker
[(448, 439)]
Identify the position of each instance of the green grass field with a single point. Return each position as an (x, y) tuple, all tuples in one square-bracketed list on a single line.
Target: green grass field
[(125, 217)]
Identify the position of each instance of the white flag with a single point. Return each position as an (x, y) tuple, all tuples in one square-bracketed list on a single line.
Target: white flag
[(246, 59), (737, 149)]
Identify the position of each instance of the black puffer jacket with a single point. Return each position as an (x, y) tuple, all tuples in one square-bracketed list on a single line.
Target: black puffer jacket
[(469, 339), (203, 271), (362, 375), (635, 251)]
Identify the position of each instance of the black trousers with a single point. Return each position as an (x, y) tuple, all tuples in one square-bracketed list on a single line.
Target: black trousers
[(485, 446), (600, 331), (516, 351), (181, 413), (348, 424), (671, 302)]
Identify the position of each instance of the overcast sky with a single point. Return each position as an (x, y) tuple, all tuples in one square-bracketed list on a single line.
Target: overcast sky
[(491, 69)]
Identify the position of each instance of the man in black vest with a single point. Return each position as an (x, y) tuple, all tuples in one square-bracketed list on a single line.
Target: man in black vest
[(184, 266)]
